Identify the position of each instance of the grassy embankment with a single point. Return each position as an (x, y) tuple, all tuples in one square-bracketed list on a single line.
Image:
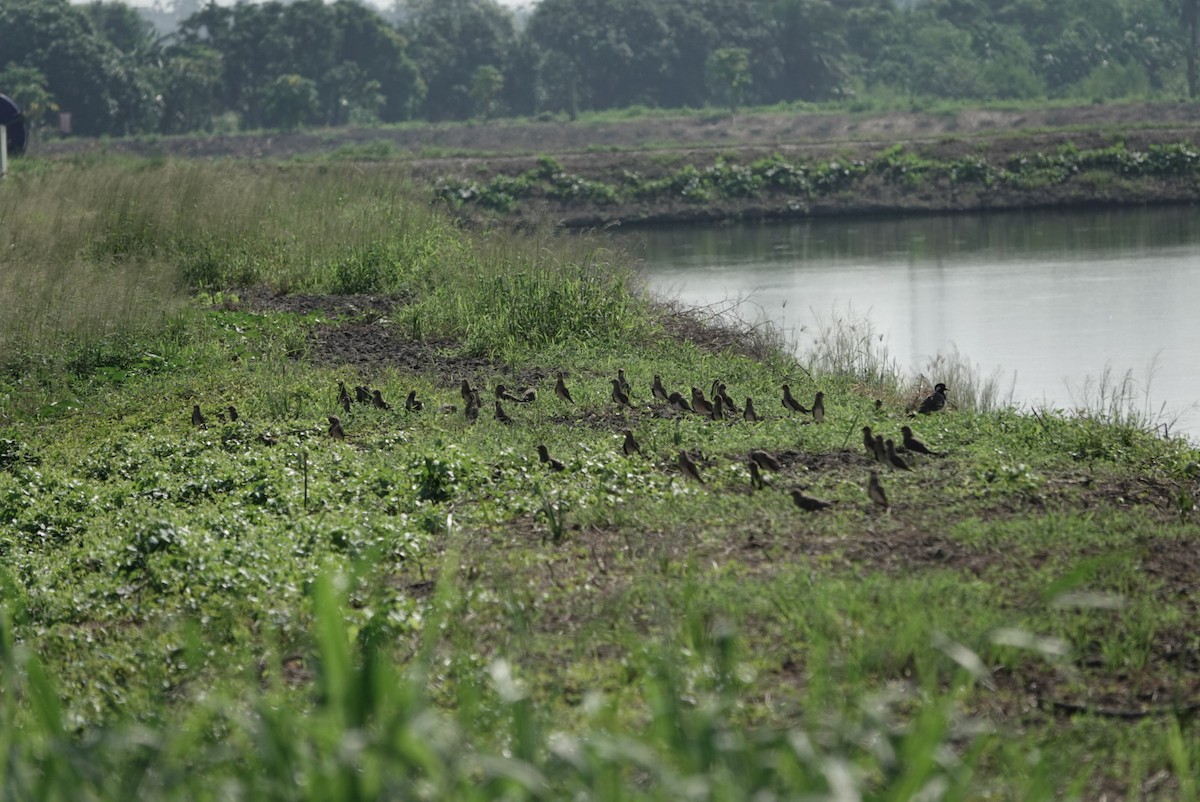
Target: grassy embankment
[(424, 611)]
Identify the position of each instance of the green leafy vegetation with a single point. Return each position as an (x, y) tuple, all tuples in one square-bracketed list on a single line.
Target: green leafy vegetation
[(423, 610)]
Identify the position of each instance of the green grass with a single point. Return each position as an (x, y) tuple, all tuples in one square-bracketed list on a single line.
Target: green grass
[(423, 611)]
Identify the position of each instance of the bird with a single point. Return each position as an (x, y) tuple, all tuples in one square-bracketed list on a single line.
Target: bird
[(894, 460), (447, 409), (501, 415), (345, 402), (880, 450), (335, 428), (913, 444), (503, 393), (748, 413), (868, 441), (466, 392), (560, 389), (790, 403), (765, 460), (700, 405), (411, 403), (624, 384), (689, 468), (233, 413), (528, 395), (679, 402), (727, 401), (198, 417), (818, 407), (630, 446), (875, 491), (342, 394), (657, 389), (362, 395), (377, 400), (935, 401), (471, 410), (544, 456), (756, 479), (809, 503), (267, 439), (718, 409), (619, 397)]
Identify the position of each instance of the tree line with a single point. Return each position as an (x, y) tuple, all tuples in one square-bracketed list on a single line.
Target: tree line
[(283, 65)]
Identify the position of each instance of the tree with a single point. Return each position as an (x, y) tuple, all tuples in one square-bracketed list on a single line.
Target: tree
[(288, 101), (189, 83), (729, 70), (485, 89), (27, 86)]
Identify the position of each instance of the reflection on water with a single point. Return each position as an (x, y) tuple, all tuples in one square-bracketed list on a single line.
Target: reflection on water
[(1052, 297)]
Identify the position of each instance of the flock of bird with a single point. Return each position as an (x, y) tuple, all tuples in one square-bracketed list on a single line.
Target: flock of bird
[(719, 407)]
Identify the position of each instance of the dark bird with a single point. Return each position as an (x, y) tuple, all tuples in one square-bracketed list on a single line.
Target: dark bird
[(527, 396), (818, 407), (466, 392), (913, 444), (198, 417), (765, 460), (880, 450), (700, 405), (790, 403), (715, 389), (619, 397), (624, 384), (727, 401), (362, 395), (809, 503), (875, 491), (894, 460), (689, 468), (544, 456), (878, 404), (630, 446), (718, 409), (503, 393), (446, 409), (266, 439), (343, 396), (471, 411), (869, 441), (377, 400), (233, 413), (501, 415), (748, 412), (411, 403), (756, 479), (345, 402), (935, 401), (560, 389), (657, 389), (335, 428), (679, 402)]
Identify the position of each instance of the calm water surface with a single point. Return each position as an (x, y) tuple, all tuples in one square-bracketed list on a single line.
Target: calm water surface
[(1050, 299)]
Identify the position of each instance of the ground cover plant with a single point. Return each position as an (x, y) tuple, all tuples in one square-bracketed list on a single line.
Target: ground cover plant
[(423, 609)]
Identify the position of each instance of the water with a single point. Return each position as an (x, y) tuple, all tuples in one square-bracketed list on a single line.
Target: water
[(1049, 299)]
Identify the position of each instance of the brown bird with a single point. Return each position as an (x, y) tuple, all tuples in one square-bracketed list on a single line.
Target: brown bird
[(818, 407), (894, 460), (345, 402), (411, 403), (689, 468), (335, 428), (727, 401), (343, 396), (679, 402), (756, 479), (471, 410), (503, 393), (198, 417), (718, 409), (624, 384), (233, 413), (875, 491), (362, 395), (466, 392), (790, 403), (560, 389), (657, 389), (527, 396), (880, 450), (748, 413), (878, 404), (868, 441), (913, 444), (377, 400), (700, 405), (630, 446), (809, 503), (765, 460), (935, 401), (501, 415), (619, 396), (544, 456)]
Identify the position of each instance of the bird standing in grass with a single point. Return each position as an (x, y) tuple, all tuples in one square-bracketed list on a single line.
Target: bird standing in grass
[(630, 446), (689, 468), (756, 479), (625, 388), (894, 460), (619, 397), (875, 491), (362, 395), (880, 450), (503, 393), (657, 389), (560, 389), (377, 400), (527, 396), (335, 428), (198, 417), (411, 403), (233, 413), (913, 444), (466, 392), (935, 401), (748, 413), (471, 410), (546, 459), (790, 403), (765, 460), (343, 396), (679, 402), (818, 407), (345, 402), (718, 409), (700, 404), (869, 441), (501, 415), (809, 503)]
